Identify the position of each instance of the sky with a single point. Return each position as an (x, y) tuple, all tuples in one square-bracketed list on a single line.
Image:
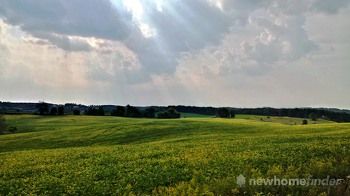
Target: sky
[(239, 53)]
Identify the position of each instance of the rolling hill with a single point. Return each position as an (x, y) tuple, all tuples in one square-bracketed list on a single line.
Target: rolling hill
[(193, 156)]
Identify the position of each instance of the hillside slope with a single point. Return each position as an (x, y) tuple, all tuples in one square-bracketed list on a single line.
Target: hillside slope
[(109, 155)]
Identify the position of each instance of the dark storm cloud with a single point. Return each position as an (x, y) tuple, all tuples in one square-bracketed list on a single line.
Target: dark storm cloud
[(182, 26), (77, 17)]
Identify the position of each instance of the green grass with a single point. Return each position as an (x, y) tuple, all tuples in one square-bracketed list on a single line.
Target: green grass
[(274, 119), (282, 120), (193, 115), (82, 155)]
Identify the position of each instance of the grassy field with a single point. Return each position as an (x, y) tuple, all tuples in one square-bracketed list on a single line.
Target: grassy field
[(274, 119), (82, 155), (192, 115), (282, 120)]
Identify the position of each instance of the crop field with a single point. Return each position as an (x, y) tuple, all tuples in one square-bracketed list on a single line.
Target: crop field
[(84, 155), (282, 120)]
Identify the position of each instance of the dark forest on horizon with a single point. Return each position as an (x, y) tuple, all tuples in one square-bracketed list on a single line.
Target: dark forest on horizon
[(332, 114)]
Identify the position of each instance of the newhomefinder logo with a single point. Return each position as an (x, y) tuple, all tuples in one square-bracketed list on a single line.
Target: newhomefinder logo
[(275, 181)]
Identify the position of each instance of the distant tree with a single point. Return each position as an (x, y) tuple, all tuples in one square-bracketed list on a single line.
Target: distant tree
[(132, 111), (305, 122), (172, 110), (118, 111), (60, 110), (68, 107), (53, 111), (223, 113), (169, 113), (91, 110), (76, 111), (100, 111), (150, 113), (2, 124), (43, 108), (232, 114), (313, 116), (95, 111)]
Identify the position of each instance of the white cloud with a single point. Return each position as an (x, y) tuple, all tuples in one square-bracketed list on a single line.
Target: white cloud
[(31, 67), (275, 60), (251, 53)]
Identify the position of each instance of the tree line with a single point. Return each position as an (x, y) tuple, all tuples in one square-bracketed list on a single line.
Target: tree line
[(121, 111), (43, 108), (312, 113)]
